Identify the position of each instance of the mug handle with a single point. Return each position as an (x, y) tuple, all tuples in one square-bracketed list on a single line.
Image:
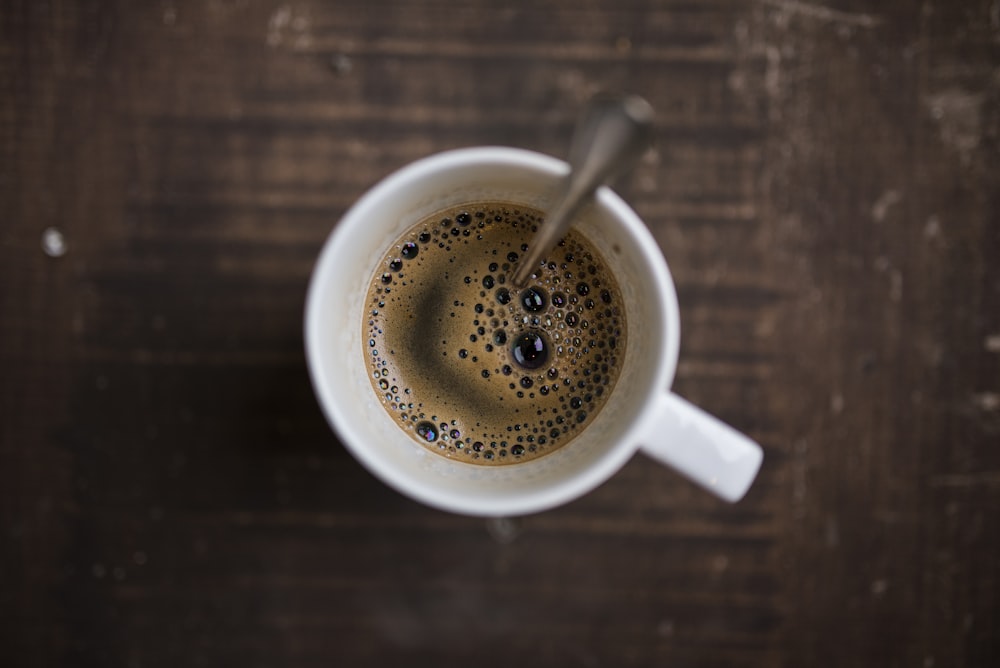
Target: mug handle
[(701, 447)]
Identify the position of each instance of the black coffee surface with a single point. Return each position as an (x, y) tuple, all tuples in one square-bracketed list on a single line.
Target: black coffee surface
[(474, 369)]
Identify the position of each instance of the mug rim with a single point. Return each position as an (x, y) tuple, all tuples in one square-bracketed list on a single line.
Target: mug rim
[(565, 489)]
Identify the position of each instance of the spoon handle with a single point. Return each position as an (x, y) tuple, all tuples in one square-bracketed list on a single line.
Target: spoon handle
[(611, 136)]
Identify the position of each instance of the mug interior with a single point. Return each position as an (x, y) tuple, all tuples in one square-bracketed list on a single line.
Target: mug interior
[(335, 311)]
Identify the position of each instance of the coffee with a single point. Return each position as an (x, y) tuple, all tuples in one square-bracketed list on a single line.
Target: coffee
[(474, 369)]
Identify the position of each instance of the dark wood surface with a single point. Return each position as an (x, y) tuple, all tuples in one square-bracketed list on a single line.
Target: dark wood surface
[(825, 189)]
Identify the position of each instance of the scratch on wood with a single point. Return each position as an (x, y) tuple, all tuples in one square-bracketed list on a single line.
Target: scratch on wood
[(772, 74), (276, 25), (987, 401), (580, 51), (966, 479), (286, 25), (959, 114), (821, 13), (884, 203), (831, 532)]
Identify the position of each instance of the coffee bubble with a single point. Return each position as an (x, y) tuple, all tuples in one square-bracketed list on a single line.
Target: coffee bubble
[(530, 350), (533, 299), (409, 250), (427, 431)]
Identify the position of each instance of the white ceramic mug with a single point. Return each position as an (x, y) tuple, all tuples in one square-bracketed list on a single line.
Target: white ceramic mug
[(641, 412)]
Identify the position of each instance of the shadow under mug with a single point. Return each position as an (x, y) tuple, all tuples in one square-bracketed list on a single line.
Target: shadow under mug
[(641, 411)]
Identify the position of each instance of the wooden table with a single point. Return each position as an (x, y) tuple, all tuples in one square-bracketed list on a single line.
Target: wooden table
[(825, 188)]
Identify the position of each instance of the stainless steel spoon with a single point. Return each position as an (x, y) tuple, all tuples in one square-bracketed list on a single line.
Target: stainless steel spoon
[(611, 136)]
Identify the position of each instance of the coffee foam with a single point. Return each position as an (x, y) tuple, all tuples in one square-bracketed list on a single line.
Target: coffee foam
[(442, 327)]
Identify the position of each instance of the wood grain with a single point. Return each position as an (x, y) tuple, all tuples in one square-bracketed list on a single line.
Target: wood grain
[(824, 188)]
